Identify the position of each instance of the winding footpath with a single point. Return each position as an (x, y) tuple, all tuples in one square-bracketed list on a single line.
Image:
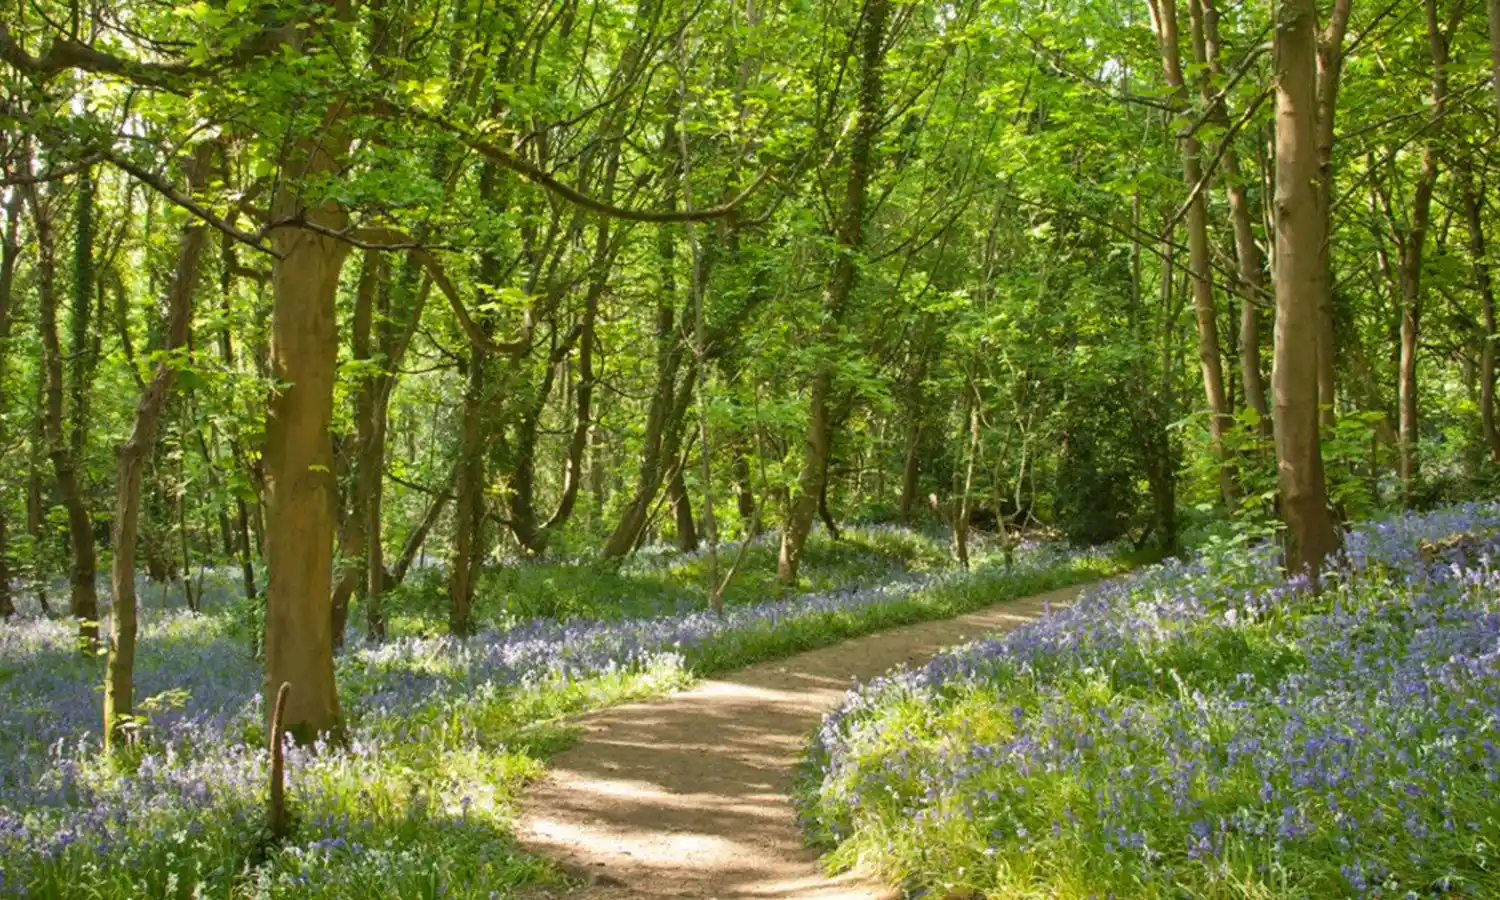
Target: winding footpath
[(687, 796)]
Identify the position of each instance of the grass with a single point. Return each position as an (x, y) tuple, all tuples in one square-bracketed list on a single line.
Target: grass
[(445, 733), (661, 581)]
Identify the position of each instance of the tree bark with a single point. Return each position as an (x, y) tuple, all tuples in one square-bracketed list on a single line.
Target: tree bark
[(1412, 244), (10, 250), (911, 469), (1473, 213), (119, 677), (468, 502), (850, 239), (962, 504), (416, 539), (1330, 69), (226, 353), (1247, 253), (83, 598), (583, 397), (1164, 15), (650, 473), (1300, 231), (298, 454), (682, 512), (744, 493), (352, 537), (400, 303), (1487, 364)]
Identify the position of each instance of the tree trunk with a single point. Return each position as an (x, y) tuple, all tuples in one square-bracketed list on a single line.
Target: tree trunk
[(850, 239), (682, 512), (911, 469), (226, 353), (120, 668), (1247, 253), (1413, 244), (971, 454), (468, 503), (1473, 212), (352, 538), (1164, 14), (10, 249), (669, 356), (371, 487), (583, 394), (649, 475), (1300, 231), (416, 539), (298, 456), (825, 515), (744, 494), (83, 601), (1330, 64), (522, 496)]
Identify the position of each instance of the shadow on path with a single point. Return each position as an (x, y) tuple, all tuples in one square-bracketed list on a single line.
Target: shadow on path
[(687, 795)]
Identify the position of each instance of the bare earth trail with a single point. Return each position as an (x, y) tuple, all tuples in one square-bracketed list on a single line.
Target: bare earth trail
[(686, 796)]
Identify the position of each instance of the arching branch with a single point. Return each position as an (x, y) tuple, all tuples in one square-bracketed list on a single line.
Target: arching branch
[(392, 239), (531, 173)]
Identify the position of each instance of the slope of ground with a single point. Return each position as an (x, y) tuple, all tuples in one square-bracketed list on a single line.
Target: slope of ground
[(687, 796)]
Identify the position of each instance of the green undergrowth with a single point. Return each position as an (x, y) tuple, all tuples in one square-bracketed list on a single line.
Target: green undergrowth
[(664, 582), (422, 806)]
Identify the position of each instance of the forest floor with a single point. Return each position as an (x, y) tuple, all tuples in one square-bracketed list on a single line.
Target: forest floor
[(689, 795)]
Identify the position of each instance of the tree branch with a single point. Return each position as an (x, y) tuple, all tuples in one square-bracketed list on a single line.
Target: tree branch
[(395, 240), (531, 173)]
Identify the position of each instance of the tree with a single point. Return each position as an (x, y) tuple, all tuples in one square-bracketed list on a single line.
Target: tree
[(849, 237), (1300, 230), (119, 684)]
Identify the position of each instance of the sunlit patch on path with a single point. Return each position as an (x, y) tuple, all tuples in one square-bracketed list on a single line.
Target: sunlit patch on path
[(687, 796)]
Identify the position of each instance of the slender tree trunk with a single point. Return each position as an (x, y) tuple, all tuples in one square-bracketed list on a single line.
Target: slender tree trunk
[(649, 476), (962, 505), (911, 466), (1473, 213), (84, 603), (696, 290), (1247, 253), (417, 538), (120, 667), (744, 494), (583, 397), (655, 456), (850, 238), (83, 344), (825, 515), (1164, 14), (402, 301), (1300, 231), (226, 353), (1330, 69), (1413, 244), (10, 250), (352, 537), (468, 503), (682, 512), (522, 496), (524, 525), (36, 521), (371, 489)]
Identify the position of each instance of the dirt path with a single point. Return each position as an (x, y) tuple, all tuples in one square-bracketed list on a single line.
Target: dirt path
[(686, 796)]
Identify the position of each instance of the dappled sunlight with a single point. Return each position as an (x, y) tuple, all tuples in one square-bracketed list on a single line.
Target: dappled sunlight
[(688, 796)]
